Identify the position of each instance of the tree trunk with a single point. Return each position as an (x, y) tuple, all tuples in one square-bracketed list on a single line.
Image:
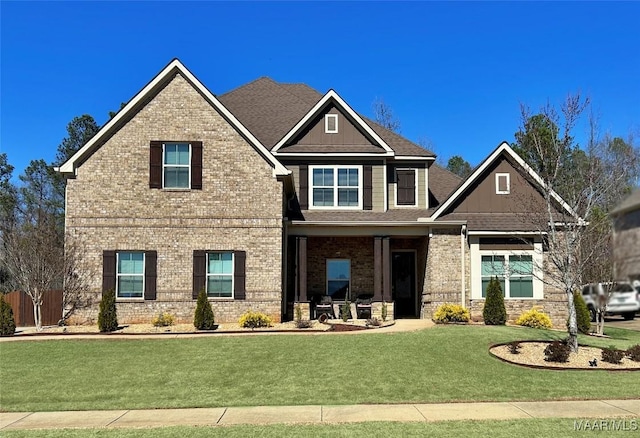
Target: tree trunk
[(37, 314), (573, 323)]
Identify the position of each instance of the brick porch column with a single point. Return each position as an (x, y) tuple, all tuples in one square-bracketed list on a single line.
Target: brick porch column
[(377, 268)]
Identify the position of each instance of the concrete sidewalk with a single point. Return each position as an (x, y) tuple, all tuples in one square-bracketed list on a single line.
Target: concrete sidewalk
[(261, 415)]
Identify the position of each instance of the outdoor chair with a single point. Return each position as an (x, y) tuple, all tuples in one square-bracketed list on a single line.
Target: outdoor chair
[(363, 306), (324, 307)]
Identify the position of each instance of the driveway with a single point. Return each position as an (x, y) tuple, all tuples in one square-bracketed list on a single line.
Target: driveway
[(619, 322)]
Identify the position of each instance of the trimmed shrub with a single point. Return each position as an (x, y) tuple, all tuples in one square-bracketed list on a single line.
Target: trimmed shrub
[(446, 313), (494, 312), (164, 319), (534, 319), (633, 353), (7, 322), (301, 323), (557, 351), (583, 317), (252, 320), (108, 316), (345, 311), (612, 355), (203, 318)]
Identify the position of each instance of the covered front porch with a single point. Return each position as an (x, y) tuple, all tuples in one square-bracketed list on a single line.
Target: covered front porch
[(380, 266)]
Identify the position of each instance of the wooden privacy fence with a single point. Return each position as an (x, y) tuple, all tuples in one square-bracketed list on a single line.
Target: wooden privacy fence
[(23, 308)]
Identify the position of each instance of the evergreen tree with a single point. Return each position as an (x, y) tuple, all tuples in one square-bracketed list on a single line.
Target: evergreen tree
[(582, 313), (108, 317), (203, 319), (494, 312), (7, 323)]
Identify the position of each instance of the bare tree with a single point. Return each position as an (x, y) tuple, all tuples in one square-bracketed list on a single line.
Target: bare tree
[(588, 179), (383, 115)]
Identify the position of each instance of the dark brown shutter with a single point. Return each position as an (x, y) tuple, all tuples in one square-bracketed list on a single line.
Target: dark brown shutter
[(367, 189), (199, 272), (240, 258), (155, 165), (150, 274), (406, 187), (108, 270), (196, 165), (303, 196)]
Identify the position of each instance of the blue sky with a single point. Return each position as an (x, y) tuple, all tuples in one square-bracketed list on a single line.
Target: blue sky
[(454, 73)]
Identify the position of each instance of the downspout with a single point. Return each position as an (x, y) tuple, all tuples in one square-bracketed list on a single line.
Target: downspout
[(462, 264)]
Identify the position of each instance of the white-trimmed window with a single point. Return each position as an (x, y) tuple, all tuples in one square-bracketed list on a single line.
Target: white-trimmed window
[(176, 168), (503, 183), (130, 274), (338, 278), (220, 274), (336, 186), (515, 262), (331, 124)]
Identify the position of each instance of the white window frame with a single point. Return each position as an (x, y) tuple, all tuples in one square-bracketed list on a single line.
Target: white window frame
[(476, 269), (326, 123), (327, 279), (335, 188), (176, 165), (232, 275), (415, 196), (508, 183), (118, 274)]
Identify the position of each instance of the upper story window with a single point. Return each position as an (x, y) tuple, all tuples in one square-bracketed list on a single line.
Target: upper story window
[(175, 165), (503, 184), (406, 187), (331, 124), (336, 186), (176, 168)]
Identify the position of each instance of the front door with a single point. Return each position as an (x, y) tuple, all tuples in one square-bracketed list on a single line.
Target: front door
[(403, 283)]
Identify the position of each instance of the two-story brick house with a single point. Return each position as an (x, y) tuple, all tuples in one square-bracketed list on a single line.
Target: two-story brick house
[(273, 193)]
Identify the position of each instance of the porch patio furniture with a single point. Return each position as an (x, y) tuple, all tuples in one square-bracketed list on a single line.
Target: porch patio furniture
[(323, 304), (363, 306)]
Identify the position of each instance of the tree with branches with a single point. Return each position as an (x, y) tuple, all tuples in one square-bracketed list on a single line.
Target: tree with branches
[(578, 185), (383, 115)]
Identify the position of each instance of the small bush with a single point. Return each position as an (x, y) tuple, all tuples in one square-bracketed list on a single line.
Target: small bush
[(494, 312), (383, 312), (514, 347), (612, 355), (633, 353), (557, 351), (534, 319), (446, 313), (301, 323), (252, 320), (7, 322), (108, 316), (203, 318), (583, 317), (374, 322), (164, 319), (345, 311)]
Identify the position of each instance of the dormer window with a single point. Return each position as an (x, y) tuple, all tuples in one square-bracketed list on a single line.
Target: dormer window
[(503, 184), (331, 124)]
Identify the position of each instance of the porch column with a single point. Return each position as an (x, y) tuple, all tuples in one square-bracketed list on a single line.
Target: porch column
[(386, 270), (302, 269), (377, 268)]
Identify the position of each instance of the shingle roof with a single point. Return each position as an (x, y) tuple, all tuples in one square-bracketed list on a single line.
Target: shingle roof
[(494, 221), (270, 109), (399, 215), (442, 183)]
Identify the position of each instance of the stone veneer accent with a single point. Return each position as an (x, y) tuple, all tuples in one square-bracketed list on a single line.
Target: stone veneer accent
[(111, 207), (442, 283)]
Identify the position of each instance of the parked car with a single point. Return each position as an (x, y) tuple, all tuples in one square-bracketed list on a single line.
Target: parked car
[(623, 300)]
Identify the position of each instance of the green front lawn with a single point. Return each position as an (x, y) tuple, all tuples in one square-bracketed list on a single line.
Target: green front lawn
[(441, 364), (496, 429)]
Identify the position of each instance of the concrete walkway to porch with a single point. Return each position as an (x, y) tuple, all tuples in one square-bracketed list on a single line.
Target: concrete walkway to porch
[(628, 410)]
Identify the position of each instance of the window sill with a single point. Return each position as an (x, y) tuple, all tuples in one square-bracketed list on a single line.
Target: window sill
[(176, 190), (129, 300)]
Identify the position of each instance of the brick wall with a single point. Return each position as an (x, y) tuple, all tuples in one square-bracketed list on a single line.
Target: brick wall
[(110, 207)]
